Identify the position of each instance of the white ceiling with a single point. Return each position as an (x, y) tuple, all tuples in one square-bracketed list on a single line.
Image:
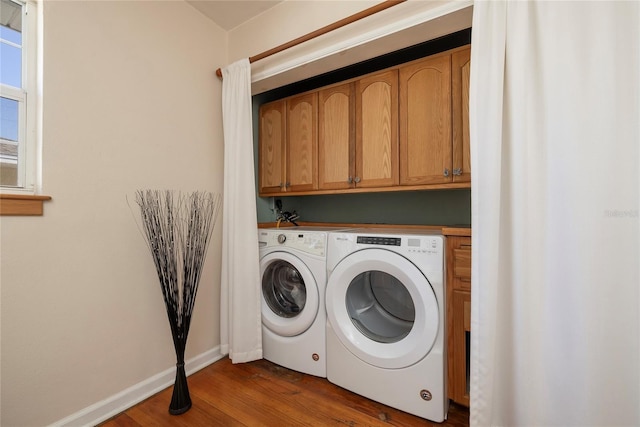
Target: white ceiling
[(228, 14)]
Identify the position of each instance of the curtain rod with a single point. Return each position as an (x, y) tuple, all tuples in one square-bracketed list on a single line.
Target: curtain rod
[(324, 30)]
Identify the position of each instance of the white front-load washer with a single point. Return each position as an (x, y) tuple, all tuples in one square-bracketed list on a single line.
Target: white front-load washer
[(293, 273), (385, 318)]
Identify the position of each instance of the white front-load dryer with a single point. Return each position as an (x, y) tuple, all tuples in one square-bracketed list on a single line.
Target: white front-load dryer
[(293, 273), (385, 318)]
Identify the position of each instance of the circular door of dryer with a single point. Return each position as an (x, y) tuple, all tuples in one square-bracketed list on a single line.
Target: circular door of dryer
[(382, 308), (289, 294)]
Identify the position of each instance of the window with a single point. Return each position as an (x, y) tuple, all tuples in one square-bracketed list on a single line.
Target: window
[(18, 96)]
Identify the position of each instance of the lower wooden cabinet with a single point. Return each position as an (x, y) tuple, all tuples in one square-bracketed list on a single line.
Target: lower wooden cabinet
[(458, 317)]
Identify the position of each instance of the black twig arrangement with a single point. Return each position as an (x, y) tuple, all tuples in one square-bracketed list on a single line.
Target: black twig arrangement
[(177, 228)]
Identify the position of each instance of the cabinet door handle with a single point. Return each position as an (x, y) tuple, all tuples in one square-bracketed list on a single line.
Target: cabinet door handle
[(357, 180), (446, 172), (457, 171), (287, 185), (350, 180), (281, 185)]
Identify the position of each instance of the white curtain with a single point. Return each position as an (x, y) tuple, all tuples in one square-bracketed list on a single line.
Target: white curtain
[(555, 130), (240, 311)]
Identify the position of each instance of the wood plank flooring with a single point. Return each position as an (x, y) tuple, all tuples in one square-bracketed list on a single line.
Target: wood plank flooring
[(261, 393)]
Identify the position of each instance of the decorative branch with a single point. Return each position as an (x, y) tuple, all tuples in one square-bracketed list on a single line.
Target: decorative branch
[(177, 229)]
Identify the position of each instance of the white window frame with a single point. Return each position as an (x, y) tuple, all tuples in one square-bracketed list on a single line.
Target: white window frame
[(29, 99)]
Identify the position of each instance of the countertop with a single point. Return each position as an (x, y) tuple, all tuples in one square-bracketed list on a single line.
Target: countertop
[(447, 230)]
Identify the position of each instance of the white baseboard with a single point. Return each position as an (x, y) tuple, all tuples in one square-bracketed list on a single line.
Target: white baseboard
[(113, 405)]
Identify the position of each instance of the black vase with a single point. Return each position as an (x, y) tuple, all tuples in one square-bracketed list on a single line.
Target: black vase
[(180, 400)]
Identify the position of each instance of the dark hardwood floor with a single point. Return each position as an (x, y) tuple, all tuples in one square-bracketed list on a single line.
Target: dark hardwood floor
[(264, 394)]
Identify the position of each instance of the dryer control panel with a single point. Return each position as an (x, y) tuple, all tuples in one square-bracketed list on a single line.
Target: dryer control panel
[(422, 244), (379, 240), (422, 247)]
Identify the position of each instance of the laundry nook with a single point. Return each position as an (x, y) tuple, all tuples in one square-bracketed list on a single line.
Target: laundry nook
[(319, 213)]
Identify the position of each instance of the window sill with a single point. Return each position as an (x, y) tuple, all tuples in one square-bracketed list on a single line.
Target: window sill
[(22, 204)]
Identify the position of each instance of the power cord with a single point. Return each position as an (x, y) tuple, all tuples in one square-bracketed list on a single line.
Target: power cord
[(285, 216)]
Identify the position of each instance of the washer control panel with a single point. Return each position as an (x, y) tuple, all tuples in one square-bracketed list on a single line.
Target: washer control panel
[(308, 242)]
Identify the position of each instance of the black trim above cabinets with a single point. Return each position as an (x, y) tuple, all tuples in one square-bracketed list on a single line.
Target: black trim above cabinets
[(431, 47)]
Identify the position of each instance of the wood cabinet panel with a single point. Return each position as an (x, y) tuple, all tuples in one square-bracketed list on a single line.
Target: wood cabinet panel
[(459, 351), (462, 264), (425, 121), (376, 130), (461, 70), (467, 314), (458, 317), (336, 137), (271, 147), (302, 143)]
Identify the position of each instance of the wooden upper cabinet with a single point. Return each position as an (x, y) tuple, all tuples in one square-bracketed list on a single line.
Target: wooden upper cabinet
[(302, 143), (425, 122), (271, 148), (336, 136), (406, 127), (461, 69), (377, 130)]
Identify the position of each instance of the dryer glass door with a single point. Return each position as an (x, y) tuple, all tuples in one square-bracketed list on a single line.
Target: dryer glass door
[(382, 308), (290, 298)]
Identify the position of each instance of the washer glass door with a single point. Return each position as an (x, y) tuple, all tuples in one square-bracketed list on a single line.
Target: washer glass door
[(382, 308), (289, 294)]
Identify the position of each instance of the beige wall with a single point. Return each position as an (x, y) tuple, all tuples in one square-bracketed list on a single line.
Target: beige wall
[(287, 21), (131, 102)]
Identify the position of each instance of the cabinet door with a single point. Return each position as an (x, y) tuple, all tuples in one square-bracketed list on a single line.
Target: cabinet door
[(461, 267), (302, 143), (336, 137), (272, 134), (376, 130), (460, 70), (459, 346), (425, 122), (458, 317)]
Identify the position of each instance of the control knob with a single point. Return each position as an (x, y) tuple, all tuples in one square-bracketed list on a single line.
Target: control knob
[(282, 238)]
